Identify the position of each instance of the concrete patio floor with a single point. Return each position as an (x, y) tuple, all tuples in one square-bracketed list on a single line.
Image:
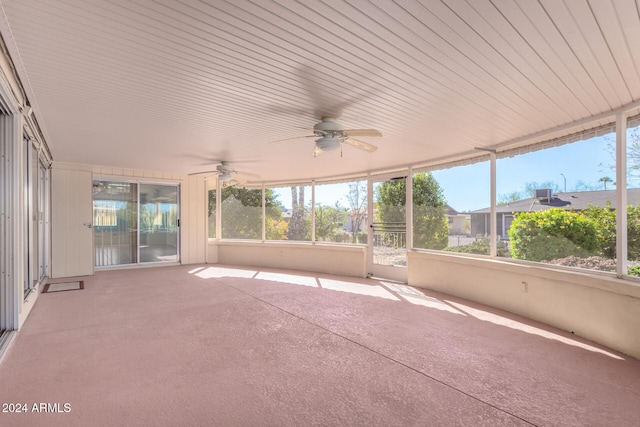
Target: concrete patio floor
[(234, 346)]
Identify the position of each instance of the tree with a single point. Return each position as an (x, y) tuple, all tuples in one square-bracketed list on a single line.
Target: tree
[(604, 180), (430, 225), (328, 220), (242, 211), (357, 198), (583, 186), (298, 229), (514, 196), (275, 228), (633, 156)]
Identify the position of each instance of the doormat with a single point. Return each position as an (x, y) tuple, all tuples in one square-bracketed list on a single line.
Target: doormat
[(61, 287)]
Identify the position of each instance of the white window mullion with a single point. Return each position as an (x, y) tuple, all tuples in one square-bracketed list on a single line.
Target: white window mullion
[(493, 229), (137, 261), (621, 194), (218, 209), (371, 219), (264, 215), (313, 211), (409, 209)]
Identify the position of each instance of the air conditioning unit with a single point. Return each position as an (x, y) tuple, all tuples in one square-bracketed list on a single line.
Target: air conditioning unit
[(544, 194)]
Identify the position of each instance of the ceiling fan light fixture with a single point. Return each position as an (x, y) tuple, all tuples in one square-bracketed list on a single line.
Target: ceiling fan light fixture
[(327, 143)]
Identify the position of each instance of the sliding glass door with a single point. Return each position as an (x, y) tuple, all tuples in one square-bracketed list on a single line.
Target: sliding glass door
[(135, 223), (158, 223), (36, 197), (115, 223)]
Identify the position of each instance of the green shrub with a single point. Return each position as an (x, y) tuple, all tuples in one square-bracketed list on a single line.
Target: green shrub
[(634, 270), (552, 234), (481, 247), (633, 232), (605, 221)]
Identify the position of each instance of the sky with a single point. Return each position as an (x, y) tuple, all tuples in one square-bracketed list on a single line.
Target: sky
[(466, 188), (584, 162)]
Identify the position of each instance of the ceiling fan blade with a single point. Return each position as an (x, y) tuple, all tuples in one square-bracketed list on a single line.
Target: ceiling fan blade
[(204, 173), (316, 84), (291, 139), (362, 132), (247, 174), (361, 144)]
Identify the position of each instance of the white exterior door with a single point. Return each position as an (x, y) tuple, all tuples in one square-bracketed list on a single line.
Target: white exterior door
[(71, 223), (387, 247)]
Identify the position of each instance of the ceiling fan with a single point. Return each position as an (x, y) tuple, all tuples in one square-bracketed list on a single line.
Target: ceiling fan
[(331, 135), (226, 173)]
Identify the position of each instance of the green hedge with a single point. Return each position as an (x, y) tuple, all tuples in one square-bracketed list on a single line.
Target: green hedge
[(552, 234), (481, 247), (605, 220)]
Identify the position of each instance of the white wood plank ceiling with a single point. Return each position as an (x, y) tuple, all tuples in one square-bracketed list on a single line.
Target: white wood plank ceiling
[(172, 84)]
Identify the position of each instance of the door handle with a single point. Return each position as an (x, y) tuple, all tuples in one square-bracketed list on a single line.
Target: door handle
[(88, 225)]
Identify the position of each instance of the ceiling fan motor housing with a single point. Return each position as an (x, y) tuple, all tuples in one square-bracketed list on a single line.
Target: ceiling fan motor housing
[(331, 135), (328, 125), (225, 171)]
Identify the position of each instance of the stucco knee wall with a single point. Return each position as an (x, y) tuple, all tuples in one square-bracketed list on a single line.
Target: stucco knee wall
[(600, 308), (343, 260)]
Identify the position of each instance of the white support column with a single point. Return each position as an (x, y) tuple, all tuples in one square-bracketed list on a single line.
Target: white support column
[(29, 249), (313, 211), (370, 220), (621, 194), (47, 221), (493, 229), (409, 208), (218, 209), (264, 215)]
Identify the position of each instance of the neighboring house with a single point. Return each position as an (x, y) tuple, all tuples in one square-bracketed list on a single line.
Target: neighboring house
[(458, 222), (573, 201), (349, 224), (286, 214)]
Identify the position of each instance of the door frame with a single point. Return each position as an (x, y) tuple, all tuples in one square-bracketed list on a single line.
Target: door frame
[(138, 183), (11, 231), (395, 273)]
